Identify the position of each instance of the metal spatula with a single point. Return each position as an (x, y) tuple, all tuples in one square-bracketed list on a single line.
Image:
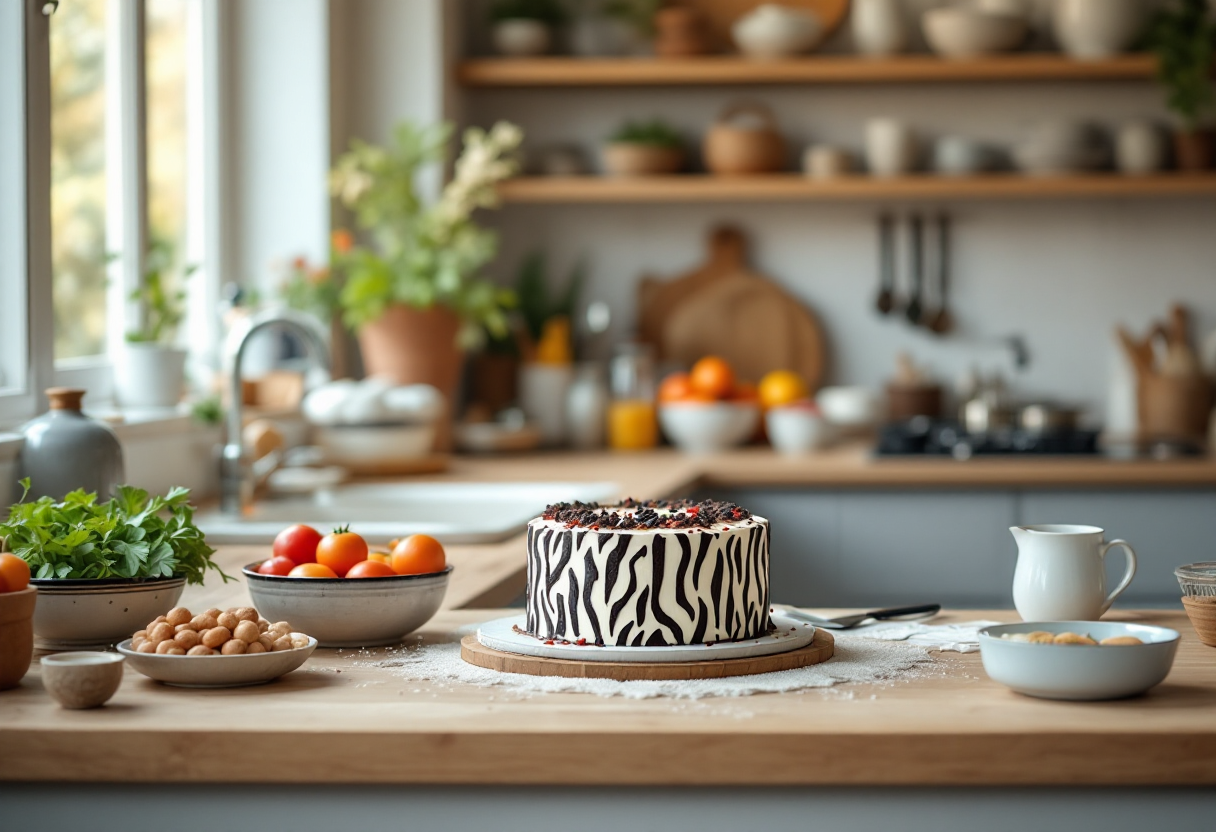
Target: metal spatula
[(847, 622)]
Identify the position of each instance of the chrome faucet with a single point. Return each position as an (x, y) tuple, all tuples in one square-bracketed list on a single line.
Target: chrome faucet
[(236, 472)]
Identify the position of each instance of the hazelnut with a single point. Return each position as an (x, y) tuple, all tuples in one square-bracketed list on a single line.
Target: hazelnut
[(146, 647), (282, 643), (1072, 638), (216, 636), (1041, 637), (1120, 641), (178, 615), (165, 646), (246, 614), (227, 619), (246, 631), (162, 631), (200, 650), (256, 647), (233, 647), (188, 639)]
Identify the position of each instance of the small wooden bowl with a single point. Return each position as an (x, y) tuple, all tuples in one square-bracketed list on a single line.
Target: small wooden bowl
[(16, 635), (1201, 609)]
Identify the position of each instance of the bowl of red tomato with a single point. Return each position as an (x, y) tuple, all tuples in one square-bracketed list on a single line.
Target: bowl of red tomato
[(336, 588)]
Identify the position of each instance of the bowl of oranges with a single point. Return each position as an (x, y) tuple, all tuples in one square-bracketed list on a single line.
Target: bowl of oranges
[(336, 588), (708, 409)]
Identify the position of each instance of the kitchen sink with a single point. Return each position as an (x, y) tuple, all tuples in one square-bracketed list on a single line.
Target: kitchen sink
[(451, 512)]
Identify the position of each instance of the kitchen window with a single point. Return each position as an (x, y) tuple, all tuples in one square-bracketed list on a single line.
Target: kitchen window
[(101, 140)]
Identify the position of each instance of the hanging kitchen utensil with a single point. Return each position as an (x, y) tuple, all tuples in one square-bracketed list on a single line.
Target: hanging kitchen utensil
[(941, 321), (885, 303), (915, 308)]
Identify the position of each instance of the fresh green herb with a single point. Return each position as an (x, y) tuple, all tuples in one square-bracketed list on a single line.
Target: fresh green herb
[(1183, 37), (208, 411), (657, 133), (537, 304), (637, 14), (131, 536), (162, 298), (546, 11)]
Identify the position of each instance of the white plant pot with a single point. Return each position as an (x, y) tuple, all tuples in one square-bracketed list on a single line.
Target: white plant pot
[(149, 375), (521, 38)]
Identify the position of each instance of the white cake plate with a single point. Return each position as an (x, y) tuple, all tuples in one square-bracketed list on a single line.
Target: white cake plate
[(787, 634)]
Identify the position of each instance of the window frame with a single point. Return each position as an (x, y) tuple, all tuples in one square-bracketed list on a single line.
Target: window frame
[(27, 341)]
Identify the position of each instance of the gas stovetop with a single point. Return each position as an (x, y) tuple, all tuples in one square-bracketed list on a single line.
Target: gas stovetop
[(929, 437)]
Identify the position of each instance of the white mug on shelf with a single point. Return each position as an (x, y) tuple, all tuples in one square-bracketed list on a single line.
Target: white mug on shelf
[(880, 27), (1139, 148), (890, 147), (1061, 572)]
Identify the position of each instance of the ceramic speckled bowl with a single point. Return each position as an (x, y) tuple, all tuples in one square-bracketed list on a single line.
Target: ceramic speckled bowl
[(83, 614), (217, 671), (349, 612)]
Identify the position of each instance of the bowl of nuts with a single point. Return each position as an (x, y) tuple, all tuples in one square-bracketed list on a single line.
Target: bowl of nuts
[(216, 648), (1078, 660)]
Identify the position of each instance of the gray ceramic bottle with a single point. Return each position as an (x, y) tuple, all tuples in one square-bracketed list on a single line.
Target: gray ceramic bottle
[(66, 450)]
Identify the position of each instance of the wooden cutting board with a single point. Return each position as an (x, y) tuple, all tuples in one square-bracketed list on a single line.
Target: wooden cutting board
[(657, 299), (752, 323), (721, 15), (474, 652)]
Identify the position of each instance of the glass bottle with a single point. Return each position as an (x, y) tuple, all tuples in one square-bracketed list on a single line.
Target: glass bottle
[(632, 423)]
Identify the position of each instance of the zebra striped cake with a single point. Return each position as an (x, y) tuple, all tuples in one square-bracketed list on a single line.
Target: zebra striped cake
[(660, 573)]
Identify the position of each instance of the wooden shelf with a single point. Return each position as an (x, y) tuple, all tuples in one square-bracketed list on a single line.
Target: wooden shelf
[(826, 69), (794, 187)]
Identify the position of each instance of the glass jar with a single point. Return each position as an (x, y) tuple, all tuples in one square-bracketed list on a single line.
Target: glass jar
[(632, 423)]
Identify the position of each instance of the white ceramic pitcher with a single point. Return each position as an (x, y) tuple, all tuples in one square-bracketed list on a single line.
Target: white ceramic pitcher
[(1061, 573)]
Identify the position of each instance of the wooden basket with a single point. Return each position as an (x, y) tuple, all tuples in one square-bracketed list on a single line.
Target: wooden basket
[(1202, 612)]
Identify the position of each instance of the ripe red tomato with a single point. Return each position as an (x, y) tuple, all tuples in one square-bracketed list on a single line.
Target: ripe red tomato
[(341, 549), (371, 569), (14, 573), (277, 565), (299, 543), (311, 570)]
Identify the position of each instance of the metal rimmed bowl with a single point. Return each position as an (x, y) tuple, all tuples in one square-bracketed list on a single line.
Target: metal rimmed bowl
[(350, 612), (81, 614)]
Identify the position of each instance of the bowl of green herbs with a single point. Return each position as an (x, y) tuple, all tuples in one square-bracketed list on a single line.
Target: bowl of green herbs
[(104, 570)]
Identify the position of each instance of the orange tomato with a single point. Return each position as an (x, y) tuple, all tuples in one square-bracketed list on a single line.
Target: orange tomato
[(371, 569), (341, 549), (713, 377), (312, 570), (419, 554), (14, 573), (382, 557)]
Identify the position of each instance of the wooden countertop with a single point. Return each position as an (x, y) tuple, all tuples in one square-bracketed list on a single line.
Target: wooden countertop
[(335, 722)]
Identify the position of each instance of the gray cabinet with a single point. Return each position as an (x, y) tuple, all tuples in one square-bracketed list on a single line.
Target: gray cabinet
[(1167, 529), (854, 548)]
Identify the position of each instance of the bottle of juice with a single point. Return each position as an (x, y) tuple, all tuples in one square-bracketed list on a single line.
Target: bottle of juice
[(632, 422)]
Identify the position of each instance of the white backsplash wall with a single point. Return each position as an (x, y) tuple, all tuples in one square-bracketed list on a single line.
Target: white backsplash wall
[(1062, 273)]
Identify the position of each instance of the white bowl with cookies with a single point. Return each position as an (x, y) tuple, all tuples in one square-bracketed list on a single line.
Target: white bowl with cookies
[(1078, 660), (216, 648)]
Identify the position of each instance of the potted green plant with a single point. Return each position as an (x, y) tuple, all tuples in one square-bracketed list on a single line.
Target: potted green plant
[(644, 148), (411, 292), (1183, 36), (150, 371), (522, 28)]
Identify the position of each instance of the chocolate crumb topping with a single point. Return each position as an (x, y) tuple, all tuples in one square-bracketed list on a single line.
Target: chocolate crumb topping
[(649, 514)]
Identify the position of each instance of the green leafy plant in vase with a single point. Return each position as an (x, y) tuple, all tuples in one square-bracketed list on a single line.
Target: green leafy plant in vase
[(412, 291), (1183, 37), (150, 371), (644, 148)]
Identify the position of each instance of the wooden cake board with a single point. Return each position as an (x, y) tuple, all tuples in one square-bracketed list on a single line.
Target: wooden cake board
[(474, 652)]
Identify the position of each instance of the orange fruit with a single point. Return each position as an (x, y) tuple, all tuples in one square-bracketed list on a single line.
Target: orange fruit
[(341, 549), (14, 573), (675, 388), (782, 387), (312, 570), (713, 377), (419, 554), (382, 557), (370, 569)]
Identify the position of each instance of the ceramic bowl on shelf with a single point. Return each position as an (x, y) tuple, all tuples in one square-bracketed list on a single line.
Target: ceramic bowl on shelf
[(971, 32), (82, 614), (217, 671), (796, 430), (349, 612), (1079, 672), (771, 31), (707, 427), (850, 408)]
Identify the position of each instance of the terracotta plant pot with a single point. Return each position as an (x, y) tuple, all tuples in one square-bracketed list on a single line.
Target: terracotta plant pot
[(637, 159), (738, 145), (1193, 149), (416, 346), (16, 635)]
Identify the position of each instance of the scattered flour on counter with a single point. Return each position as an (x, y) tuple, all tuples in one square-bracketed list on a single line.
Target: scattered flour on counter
[(856, 661)]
